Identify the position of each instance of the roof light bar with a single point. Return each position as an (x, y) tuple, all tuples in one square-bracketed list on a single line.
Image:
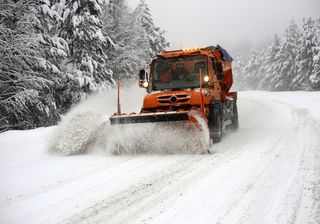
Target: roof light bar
[(191, 49)]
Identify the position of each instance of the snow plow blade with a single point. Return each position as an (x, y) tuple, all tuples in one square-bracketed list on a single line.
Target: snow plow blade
[(159, 132), (149, 118)]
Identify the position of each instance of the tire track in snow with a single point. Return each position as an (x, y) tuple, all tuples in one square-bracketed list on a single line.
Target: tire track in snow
[(106, 183), (306, 201), (66, 179), (267, 183), (135, 194)]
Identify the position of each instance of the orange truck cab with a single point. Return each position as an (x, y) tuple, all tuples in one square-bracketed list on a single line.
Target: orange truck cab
[(184, 85)]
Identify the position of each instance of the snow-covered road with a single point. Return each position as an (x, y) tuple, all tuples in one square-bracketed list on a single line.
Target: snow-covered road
[(267, 172)]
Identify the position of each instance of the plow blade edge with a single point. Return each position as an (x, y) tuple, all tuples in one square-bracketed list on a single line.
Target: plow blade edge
[(148, 118)]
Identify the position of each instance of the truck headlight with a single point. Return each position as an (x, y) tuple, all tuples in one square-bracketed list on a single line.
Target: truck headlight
[(145, 84)]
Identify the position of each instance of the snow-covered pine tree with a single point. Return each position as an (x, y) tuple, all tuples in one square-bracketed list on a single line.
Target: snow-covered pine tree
[(87, 65), (116, 22), (315, 73), (138, 46), (55, 49), (115, 19), (270, 64), (238, 74), (140, 42), (135, 38), (288, 63), (263, 69), (155, 35), (25, 84), (288, 66), (305, 55), (251, 71)]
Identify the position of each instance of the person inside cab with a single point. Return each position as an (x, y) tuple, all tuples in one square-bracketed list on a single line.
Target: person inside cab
[(195, 74), (180, 72), (165, 73)]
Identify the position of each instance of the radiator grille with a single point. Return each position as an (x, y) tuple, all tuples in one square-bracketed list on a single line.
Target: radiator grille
[(178, 98)]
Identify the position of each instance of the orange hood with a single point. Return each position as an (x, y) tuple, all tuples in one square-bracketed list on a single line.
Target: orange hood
[(176, 98)]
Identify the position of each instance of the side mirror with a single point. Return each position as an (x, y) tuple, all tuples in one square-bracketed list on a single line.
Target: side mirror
[(143, 79), (219, 69)]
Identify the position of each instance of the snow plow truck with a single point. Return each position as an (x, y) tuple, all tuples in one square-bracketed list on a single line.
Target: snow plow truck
[(190, 86)]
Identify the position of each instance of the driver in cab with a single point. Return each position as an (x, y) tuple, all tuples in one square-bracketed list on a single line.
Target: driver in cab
[(165, 75)]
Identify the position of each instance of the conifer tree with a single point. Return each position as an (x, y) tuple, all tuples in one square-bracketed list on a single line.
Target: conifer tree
[(136, 39), (55, 49), (238, 65), (155, 36), (117, 23), (289, 50), (270, 64), (81, 28), (25, 82), (305, 55), (315, 73), (251, 71)]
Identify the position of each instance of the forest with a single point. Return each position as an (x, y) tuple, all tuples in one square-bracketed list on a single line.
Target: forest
[(53, 53), (290, 62)]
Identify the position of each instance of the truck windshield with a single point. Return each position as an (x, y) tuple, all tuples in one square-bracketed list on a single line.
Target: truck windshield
[(178, 72)]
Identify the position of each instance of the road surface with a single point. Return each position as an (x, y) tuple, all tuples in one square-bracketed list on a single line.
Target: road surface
[(267, 172)]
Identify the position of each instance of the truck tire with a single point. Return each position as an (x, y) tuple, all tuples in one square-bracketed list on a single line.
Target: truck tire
[(215, 122), (234, 118)]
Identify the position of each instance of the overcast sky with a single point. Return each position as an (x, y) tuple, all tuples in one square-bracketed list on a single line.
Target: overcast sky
[(230, 23)]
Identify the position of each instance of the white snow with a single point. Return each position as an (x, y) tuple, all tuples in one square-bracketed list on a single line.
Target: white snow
[(40, 39), (87, 62), (76, 20), (42, 63), (98, 35), (55, 69), (266, 172), (47, 10), (309, 101)]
